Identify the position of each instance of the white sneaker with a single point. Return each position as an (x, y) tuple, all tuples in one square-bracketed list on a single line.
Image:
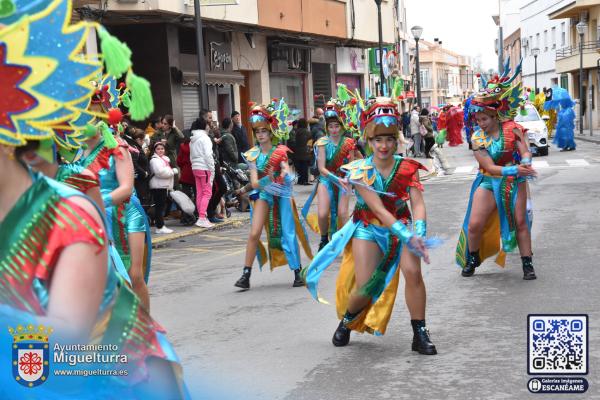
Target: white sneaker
[(204, 223), (164, 229)]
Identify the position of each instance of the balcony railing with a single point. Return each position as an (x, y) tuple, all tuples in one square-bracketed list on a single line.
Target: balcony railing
[(588, 47)]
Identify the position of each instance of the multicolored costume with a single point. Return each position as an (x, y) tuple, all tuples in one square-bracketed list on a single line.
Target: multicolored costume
[(40, 226), (450, 124), (45, 73), (498, 97), (335, 157), (558, 100), (539, 101), (380, 117), (283, 224), (383, 285)]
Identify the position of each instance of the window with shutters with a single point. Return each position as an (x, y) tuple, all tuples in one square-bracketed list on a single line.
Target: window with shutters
[(321, 74)]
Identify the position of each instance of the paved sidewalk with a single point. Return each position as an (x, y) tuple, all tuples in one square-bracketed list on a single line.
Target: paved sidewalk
[(587, 138)]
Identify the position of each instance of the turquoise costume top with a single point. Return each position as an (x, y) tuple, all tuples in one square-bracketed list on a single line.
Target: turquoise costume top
[(335, 157), (394, 193), (283, 226), (504, 151), (129, 216), (27, 263)]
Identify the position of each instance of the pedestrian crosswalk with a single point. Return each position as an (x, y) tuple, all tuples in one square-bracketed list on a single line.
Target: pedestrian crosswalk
[(466, 172)]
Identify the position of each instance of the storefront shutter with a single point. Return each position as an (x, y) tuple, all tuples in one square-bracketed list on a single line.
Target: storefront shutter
[(191, 105), (321, 83)]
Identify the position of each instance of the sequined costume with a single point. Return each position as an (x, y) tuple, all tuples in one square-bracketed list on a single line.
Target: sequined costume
[(45, 77), (499, 235), (498, 97), (283, 225), (394, 192), (43, 223), (335, 157), (380, 117)]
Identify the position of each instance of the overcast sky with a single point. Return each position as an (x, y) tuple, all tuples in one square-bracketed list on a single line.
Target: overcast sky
[(464, 26)]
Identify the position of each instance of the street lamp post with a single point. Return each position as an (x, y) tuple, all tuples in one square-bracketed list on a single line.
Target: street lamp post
[(417, 31), (201, 63), (535, 51), (581, 28), (381, 76)]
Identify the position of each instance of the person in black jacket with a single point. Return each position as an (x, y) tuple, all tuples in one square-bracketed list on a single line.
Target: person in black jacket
[(240, 135), (302, 153), (135, 139)]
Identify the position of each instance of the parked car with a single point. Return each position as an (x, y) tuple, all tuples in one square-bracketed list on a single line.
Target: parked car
[(536, 129)]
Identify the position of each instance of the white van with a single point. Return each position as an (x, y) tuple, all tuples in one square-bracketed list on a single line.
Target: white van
[(536, 129)]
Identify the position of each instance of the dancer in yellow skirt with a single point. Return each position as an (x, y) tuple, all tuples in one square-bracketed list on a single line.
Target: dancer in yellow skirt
[(331, 152), (377, 240), (273, 206)]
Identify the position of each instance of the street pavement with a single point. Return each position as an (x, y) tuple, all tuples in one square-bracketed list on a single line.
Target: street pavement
[(274, 341)]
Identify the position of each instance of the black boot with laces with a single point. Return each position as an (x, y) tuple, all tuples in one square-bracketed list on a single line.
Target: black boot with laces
[(244, 281), (473, 262), (421, 341), (528, 271)]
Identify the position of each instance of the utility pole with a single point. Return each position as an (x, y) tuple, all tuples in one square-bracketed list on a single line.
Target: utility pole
[(202, 89)]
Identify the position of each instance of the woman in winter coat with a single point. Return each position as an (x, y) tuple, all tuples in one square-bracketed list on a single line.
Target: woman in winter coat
[(203, 168), (426, 123), (186, 178), (161, 182)]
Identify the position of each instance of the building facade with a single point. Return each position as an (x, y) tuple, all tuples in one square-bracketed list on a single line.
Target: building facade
[(446, 77), (254, 51), (549, 37), (568, 59)]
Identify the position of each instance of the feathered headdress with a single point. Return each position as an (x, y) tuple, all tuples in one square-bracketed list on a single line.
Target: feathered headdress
[(499, 95), (48, 77), (272, 116), (381, 117), (352, 108), (334, 111)]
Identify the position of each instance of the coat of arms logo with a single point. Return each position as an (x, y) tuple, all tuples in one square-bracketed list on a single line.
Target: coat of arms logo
[(30, 354)]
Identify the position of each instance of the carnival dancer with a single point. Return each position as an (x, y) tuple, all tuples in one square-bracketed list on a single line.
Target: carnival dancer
[(377, 242), (559, 101), (273, 206), (54, 269), (107, 155), (331, 152), (496, 219)]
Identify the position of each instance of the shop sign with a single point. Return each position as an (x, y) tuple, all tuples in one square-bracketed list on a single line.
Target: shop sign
[(217, 49), (220, 58), (350, 60)]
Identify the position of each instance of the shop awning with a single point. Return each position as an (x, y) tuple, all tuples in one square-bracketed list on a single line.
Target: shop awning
[(212, 78)]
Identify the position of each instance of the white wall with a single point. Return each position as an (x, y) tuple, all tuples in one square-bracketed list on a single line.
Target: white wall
[(509, 15), (534, 20), (366, 20), (245, 12)]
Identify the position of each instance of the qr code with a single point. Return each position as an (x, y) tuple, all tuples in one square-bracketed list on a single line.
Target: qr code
[(557, 344)]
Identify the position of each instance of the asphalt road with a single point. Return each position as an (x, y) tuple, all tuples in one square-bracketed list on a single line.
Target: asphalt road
[(274, 341)]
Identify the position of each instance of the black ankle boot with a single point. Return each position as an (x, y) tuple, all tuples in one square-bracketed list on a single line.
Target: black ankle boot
[(341, 337), (244, 281), (528, 272), (298, 281), (473, 262), (421, 341), (324, 241)]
